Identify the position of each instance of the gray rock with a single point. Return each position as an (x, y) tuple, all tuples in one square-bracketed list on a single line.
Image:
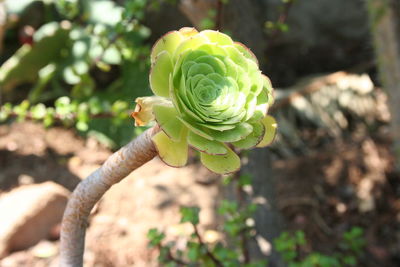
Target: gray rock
[(29, 213)]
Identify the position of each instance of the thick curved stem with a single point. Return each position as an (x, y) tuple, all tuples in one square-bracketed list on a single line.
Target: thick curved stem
[(90, 190)]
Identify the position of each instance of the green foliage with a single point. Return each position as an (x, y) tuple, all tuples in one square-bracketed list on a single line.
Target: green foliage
[(197, 251), (88, 116), (238, 229), (209, 21), (26, 63), (276, 26), (280, 25), (292, 248), (287, 245), (353, 245), (190, 214), (69, 8), (236, 218), (155, 237), (89, 52), (17, 7)]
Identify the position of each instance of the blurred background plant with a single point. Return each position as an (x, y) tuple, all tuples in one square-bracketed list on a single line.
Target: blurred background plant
[(80, 63)]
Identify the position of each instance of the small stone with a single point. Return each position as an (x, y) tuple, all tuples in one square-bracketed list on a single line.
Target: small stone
[(45, 249), (25, 179)]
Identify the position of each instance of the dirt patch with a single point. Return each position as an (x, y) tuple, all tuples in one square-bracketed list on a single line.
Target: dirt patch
[(149, 197), (344, 185)]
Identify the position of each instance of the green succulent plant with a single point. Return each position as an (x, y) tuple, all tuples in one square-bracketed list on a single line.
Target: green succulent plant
[(210, 95)]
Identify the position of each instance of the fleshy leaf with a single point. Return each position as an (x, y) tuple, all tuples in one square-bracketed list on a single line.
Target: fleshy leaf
[(174, 154), (188, 31), (252, 139), (234, 135), (166, 117), (246, 52), (236, 56), (159, 74), (196, 130), (218, 127), (204, 145), (190, 43), (270, 131), (222, 164), (261, 107), (143, 113), (217, 37), (169, 42), (269, 89)]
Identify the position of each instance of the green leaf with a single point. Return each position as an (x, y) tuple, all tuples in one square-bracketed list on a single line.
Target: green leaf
[(49, 117), (237, 57), (169, 42), (194, 253), (25, 64), (222, 164), (197, 130), (166, 117), (17, 7), (159, 74), (228, 207), (270, 131), (174, 154), (238, 133), (207, 23), (204, 145), (112, 55), (70, 76), (246, 51), (155, 237), (217, 37), (190, 43), (268, 89), (84, 88), (22, 109), (245, 179), (67, 8), (261, 107), (39, 111), (5, 111), (104, 12), (190, 214), (82, 126), (95, 105), (300, 238), (253, 138)]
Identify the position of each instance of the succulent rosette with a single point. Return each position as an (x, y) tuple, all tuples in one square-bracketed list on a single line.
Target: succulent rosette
[(210, 95)]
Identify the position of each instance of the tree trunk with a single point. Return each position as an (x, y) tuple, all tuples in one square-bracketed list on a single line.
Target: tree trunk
[(267, 218), (384, 23), (244, 19), (269, 222)]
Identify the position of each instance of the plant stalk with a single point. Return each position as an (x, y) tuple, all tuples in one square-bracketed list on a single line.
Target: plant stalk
[(89, 191)]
